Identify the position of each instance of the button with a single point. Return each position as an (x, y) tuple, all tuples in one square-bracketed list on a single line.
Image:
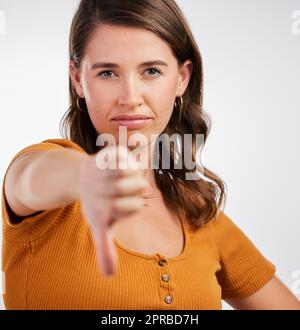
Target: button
[(168, 299), (162, 262), (165, 277)]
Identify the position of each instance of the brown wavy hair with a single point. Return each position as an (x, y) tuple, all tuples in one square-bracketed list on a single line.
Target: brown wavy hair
[(198, 200)]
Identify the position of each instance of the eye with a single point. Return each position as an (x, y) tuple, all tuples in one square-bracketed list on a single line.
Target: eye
[(106, 71), (102, 73), (154, 69)]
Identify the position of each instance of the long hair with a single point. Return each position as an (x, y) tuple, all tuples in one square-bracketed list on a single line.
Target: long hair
[(198, 200)]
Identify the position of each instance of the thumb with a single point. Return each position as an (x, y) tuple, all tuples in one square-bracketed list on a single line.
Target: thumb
[(105, 251)]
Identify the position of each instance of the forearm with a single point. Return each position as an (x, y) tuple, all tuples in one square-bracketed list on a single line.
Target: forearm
[(51, 180)]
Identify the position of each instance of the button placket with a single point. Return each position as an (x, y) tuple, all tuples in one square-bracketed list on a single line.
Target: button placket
[(162, 262), (168, 299), (165, 277), (165, 280)]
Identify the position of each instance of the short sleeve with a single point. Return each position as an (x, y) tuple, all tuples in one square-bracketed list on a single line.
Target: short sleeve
[(24, 229), (244, 269)]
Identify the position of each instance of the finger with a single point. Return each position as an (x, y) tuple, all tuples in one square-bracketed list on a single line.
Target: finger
[(124, 186), (121, 172), (105, 251), (127, 204), (117, 157), (123, 215)]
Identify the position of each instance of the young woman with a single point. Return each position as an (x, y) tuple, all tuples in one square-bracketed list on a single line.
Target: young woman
[(76, 235)]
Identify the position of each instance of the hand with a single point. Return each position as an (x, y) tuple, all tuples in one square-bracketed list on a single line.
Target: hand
[(108, 195)]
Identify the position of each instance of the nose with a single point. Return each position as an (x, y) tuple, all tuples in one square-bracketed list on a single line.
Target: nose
[(130, 95)]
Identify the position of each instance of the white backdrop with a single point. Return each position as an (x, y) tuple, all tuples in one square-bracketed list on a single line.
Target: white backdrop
[(251, 55)]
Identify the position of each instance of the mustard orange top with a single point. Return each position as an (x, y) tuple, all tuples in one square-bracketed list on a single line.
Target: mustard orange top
[(49, 262)]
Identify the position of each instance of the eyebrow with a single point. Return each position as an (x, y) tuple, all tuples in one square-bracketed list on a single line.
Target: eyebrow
[(114, 65)]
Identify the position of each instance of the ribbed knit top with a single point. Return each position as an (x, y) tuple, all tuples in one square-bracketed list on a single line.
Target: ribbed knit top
[(49, 262)]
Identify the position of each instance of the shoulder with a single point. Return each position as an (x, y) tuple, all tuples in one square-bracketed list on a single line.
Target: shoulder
[(221, 223), (65, 143), (228, 235), (45, 145)]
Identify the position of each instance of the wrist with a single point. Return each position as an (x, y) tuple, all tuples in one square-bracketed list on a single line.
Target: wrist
[(80, 166)]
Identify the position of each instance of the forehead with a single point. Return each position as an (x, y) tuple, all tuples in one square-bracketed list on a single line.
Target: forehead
[(121, 43)]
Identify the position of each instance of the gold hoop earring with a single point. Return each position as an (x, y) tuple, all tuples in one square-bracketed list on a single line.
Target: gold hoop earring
[(77, 103), (181, 103), (179, 109)]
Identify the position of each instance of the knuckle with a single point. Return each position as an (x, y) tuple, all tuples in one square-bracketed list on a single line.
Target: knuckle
[(119, 187), (122, 172), (114, 206)]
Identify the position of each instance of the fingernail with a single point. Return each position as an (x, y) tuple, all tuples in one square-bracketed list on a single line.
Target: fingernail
[(108, 272)]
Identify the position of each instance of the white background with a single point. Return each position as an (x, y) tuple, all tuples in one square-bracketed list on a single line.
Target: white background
[(251, 57)]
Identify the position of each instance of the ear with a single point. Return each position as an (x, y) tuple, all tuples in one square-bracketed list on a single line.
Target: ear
[(75, 78), (185, 72)]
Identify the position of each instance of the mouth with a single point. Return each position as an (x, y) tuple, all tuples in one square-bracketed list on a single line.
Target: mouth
[(132, 123)]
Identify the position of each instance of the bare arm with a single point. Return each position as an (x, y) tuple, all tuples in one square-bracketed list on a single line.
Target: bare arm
[(43, 180), (56, 178), (272, 296)]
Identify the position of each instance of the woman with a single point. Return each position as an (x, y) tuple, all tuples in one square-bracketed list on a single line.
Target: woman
[(76, 235)]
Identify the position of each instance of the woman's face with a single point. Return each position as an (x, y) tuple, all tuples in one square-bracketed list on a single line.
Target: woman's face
[(128, 87)]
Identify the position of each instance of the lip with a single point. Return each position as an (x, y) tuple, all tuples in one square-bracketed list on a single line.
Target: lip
[(130, 117), (132, 124)]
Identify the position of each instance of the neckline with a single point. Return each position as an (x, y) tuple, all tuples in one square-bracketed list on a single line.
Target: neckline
[(158, 255)]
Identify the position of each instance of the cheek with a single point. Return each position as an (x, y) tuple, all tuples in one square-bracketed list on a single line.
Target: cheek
[(98, 102), (95, 96), (164, 104)]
